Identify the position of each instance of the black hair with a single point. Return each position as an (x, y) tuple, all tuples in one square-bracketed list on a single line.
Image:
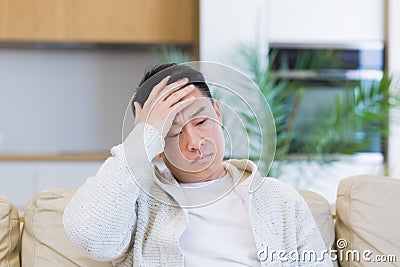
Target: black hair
[(176, 71)]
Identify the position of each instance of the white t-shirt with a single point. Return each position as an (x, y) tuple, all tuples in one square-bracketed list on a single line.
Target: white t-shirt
[(219, 234)]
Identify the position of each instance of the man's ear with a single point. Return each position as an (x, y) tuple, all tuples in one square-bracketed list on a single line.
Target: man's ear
[(218, 111)]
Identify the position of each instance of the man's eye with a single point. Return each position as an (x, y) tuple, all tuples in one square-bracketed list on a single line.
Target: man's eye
[(201, 122), (174, 135)]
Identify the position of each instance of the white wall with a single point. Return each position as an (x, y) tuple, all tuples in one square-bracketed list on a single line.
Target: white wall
[(325, 20), (227, 24), (393, 43), (66, 100)]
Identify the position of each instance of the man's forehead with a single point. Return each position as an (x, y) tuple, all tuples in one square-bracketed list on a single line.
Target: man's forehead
[(192, 112)]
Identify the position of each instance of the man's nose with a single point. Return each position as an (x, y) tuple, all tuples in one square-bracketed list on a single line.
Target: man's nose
[(194, 139)]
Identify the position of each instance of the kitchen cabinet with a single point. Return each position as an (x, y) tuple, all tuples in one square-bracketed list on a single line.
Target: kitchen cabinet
[(100, 21), (37, 20), (151, 21)]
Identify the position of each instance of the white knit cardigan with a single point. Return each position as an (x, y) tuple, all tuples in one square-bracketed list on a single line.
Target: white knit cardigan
[(111, 219)]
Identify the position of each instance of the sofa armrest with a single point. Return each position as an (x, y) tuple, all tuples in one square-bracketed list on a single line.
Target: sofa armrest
[(9, 233), (368, 218), (44, 241)]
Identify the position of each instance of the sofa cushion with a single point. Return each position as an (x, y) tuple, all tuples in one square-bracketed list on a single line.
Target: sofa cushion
[(321, 211), (44, 241), (368, 218), (9, 234)]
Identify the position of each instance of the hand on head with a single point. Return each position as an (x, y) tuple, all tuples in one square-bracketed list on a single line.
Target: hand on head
[(189, 121), (163, 103)]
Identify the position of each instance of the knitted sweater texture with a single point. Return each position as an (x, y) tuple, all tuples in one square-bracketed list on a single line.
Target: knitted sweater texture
[(129, 215)]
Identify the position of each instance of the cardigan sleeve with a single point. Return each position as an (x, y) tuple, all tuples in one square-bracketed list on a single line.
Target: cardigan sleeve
[(311, 247), (101, 215)]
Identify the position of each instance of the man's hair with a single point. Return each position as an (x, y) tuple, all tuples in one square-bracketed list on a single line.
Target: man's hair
[(154, 76)]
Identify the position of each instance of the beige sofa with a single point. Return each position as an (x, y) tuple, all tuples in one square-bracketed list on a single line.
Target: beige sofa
[(367, 219)]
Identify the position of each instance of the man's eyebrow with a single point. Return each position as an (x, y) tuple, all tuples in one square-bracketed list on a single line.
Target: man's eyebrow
[(201, 109), (197, 112)]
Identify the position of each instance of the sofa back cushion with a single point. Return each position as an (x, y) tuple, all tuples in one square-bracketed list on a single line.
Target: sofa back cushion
[(44, 241), (9, 234), (368, 219), (321, 212)]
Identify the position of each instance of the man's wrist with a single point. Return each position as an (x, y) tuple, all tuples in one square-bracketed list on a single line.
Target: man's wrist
[(144, 141), (153, 140)]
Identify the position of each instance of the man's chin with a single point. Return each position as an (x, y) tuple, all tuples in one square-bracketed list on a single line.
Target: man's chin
[(195, 166), (193, 175)]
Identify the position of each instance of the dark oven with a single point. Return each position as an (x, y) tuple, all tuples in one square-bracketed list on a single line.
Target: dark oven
[(324, 72)]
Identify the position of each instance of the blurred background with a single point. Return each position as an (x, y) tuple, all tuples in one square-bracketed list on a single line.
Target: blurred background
[(68, 69)]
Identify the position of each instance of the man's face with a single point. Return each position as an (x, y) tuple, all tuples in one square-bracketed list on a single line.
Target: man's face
[(194, 146)]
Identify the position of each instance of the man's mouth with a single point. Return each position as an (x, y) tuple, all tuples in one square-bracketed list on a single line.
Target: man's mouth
[(203, 158)]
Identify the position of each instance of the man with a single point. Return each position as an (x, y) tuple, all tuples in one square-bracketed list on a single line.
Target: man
[(199, 211)]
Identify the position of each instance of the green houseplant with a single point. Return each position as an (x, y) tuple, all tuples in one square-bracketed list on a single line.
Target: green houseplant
[(363, 108)]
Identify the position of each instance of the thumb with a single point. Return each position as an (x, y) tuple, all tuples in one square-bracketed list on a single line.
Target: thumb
[(138, 110), (138, 107)]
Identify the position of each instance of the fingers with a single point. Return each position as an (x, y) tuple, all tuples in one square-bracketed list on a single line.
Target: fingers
[(162, 90), (177, 96), (173, 111), (163, 103), (180, 105), (171, 88), (158, 88)]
